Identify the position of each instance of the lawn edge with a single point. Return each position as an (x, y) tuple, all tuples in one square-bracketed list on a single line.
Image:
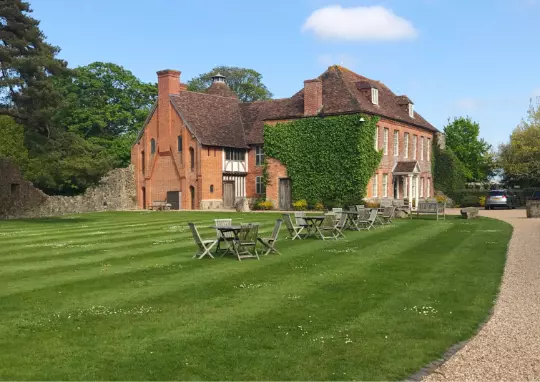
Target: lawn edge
[(431, 368)]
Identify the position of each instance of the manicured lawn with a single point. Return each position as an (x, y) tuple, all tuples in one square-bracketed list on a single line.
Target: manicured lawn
[(117, 296)]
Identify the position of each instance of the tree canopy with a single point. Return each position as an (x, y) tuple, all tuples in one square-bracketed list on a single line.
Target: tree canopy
[(246, 83), (462, 137), (27, 66), (519, 159)]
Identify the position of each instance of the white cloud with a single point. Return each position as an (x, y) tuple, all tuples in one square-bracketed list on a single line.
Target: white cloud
[(468, 104), (344, 59), (374, 23)]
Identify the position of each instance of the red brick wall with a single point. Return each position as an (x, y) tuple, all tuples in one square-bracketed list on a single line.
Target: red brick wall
[(388, 161), (312, 96), (253, 172), (212, 172)]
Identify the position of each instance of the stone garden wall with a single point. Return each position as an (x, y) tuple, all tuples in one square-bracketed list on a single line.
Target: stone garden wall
[(20, 199)]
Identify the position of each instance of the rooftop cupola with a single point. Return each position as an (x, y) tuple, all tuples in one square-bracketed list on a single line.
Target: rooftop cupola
[(218, 78), (220, 88)]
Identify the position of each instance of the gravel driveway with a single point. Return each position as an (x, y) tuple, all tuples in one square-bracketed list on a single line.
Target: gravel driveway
[(508, 346)]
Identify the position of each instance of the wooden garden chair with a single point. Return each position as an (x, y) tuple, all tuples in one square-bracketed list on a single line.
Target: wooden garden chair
[(269, 242), (359, 207), (341, 224), (246, 244), (204, 245), (227, 237), (367, 222), (295, 232), (388, 214), (337, 212), (327, 230)]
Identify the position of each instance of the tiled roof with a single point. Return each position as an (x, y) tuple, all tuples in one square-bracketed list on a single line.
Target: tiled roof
[(221, 89), (405, 166), (214, 120)]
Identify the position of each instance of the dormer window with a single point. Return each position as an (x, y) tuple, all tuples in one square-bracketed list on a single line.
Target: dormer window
[(411, 110), (375, 96)]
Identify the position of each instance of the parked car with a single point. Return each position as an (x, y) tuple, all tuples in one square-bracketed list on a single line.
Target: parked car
[(500, 198), (535, 195)]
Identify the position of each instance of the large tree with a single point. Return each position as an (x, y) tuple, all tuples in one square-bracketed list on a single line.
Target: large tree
[(106, 104), (246, 83), (462, 137), (519, 159), (27, 65), (12, 141)]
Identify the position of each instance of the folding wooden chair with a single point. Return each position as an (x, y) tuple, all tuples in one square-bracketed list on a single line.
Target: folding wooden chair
[(341, 224), (204, 245), (328, 226), (246, 244), (269, 242), (388, 214), (359, 207), (367, 222), (295, 232), (227, 237)]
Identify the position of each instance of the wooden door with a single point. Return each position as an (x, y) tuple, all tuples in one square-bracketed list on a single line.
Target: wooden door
[(285, 194), (173, 198), (192, 195), (228, 194)]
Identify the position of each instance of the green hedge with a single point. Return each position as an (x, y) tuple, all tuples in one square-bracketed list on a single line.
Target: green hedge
[(448, 173), (329, 159)]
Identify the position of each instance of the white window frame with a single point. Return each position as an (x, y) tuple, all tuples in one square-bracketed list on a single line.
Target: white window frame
[(411, 110), (396, 143), (421, 148), (374, 186), (385, 185), (428, 150), (414, 146), (377, 138), (406, 145), (385, 141), (375, 96), (428, 188), (421, 187)]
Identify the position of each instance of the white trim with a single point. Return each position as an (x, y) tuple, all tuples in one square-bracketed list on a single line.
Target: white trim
[(374, 186), (396, 143), (422, 187), (428, 150), (421, 148), (377, 138), (411, 110), (375, 96), (415, 147), (385, 141), (384, 185), (406, 145)]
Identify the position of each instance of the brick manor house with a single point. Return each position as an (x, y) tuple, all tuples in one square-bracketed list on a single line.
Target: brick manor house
[(206, 150)]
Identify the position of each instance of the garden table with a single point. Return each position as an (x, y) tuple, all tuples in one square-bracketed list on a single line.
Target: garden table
[(351, 217), (235, 229), (313, 224)]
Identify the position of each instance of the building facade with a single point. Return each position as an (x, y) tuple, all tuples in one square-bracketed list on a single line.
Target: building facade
[(206, 150)]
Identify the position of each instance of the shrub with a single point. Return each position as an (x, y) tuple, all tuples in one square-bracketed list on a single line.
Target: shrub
[(261, 204), (482, 201), (371, 204), (441, 199), (470, 201), (318, 206), (300, 205)]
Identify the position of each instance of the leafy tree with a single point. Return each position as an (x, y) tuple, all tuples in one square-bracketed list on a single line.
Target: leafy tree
[(104, 100), (27, 65), (462, 137), (246, 83), (520, 157), (12, 142)]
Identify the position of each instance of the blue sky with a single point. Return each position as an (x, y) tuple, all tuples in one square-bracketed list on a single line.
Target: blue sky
[(451, 57)]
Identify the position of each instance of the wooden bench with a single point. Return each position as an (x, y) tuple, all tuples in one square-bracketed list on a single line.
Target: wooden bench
[(160, 205), (431, 208)]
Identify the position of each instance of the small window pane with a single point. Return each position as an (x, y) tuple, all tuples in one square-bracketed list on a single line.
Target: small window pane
[(179, 143)]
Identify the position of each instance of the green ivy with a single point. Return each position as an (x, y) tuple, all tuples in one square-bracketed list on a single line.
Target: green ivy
[(448, 173), (329, 159)]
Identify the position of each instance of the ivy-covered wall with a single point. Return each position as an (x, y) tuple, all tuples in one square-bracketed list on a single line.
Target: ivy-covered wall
[(329, 159)]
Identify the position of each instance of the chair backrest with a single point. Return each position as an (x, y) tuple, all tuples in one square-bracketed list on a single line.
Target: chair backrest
[(342, 220), (352, 208), (372, 215), (288, 223), (299, 216), (277, 227), (196, 235), (329, 220), (223, 223), (359, 207), (336, 210), (388, 212), (248, 232), (385, 203)]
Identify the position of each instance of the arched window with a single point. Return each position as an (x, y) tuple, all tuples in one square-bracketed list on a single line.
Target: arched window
[(152, 146), (211, 188), (192, 158)]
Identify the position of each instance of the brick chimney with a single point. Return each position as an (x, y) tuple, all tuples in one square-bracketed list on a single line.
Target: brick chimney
[(168, 83), (312, 97)]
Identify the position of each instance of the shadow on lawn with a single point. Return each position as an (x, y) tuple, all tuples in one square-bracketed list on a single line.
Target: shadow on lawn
[(55, 220)]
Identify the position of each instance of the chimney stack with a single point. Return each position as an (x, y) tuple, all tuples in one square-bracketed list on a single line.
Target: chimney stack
[(312, 97), (168, 83)]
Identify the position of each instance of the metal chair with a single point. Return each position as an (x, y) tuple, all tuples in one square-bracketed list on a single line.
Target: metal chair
[(269, 242), (204, 245)]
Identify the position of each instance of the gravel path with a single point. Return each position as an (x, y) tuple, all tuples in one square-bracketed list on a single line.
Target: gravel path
[(508, 346)]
